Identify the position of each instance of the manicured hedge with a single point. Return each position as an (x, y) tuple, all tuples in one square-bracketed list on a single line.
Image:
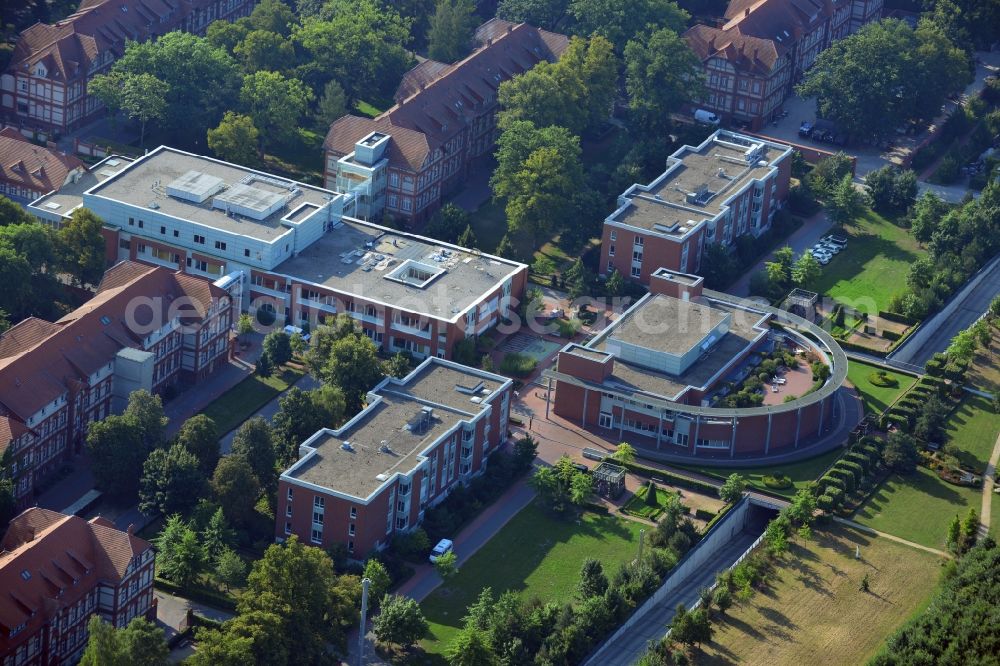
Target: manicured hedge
[(896, 317), (891, 335), (850, 481), (851, 466), (702, 514), (825, 502), (829, 480), (835, 493), (717, 518), (860, 458), (779, 482), (668, 477)]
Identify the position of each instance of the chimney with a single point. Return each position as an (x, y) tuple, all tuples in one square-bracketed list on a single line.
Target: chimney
[(131, 529), (746, 12)]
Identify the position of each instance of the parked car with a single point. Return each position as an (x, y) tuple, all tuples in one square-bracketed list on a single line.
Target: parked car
[(443, 547), (834, 240), (829, 247), (805, 128), (823, 259), (705, 117)]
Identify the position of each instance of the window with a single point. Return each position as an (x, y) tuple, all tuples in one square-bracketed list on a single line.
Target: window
[(131, 221), (246, 253), (354, 512), (199, 239), (611, 250), (288, 528), (140, 224), (350, 546), (350, 529), (288, 510), (319, 502), (636, 271), (220, 245), (289, 494), (177, 233), (639, 241), (637, 256), (317, 535), (163, 230), (614, 235), (317, 517)]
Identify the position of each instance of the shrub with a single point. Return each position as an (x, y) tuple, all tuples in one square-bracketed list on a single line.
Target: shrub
[(836, 494), (854, 468), (777, 482), (881, 378), (825, 502), (850, 483), (702, 514), (519, 365), (413, 546), (836, 481)]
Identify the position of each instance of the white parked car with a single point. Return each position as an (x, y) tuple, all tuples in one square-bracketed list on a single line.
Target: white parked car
[(830, 247), (443, 547)]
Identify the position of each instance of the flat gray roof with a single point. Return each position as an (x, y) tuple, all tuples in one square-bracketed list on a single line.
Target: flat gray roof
[(451, 387), (146, 182), (629, 376), (70, 195), (667, 324), (468, 275), (717, 167), (356, 472)]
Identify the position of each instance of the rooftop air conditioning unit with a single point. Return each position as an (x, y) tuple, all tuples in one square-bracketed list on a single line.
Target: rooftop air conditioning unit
[(347, 446)]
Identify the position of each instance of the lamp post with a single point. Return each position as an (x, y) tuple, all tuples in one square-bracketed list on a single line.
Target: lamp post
[(365, 584)]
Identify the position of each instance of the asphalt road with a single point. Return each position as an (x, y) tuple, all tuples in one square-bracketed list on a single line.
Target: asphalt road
[(959, 313)]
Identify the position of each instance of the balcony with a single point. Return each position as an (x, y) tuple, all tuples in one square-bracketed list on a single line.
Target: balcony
[(370, 319), (319, 305), (412, 330)]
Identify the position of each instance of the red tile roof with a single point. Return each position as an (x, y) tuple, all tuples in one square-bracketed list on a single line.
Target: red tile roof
[(40, 360), (49, 560), (10, 429), (34, 167), (745, 53), (438, 101)]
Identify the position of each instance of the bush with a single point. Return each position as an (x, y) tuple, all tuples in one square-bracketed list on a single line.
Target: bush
[(830, 480), (825, 502), (702, 514), (947, 171), (518, 365), (881, 378), (667, 477), (413, 546), (777, 482)]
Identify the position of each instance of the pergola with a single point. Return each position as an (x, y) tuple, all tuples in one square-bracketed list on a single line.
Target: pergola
[(609, 479)]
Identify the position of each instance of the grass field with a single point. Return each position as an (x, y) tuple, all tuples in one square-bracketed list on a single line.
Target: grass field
[(813, 611), (917, 507), (984, 371), (873, 268), (972, 431), (239, 403), (801, 473), (536, 555), (876, 398)]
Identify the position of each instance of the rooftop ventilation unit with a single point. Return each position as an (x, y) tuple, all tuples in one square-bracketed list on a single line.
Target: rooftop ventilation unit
[(195, 186), (384, 447), (347, 446)]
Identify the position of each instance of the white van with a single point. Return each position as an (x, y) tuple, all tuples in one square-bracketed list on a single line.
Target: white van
[(443, 547), (706, 117)]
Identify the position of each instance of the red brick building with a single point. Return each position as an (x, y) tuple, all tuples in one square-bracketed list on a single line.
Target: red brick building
[(27, 170), (45, 84), (443, 119), (418, 437), (729, 186), (56, 572), (762, 47), (147, 327), (652, 377)]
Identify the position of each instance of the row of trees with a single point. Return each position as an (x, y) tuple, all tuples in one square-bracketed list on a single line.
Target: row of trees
[(32, 257), (785, 272)]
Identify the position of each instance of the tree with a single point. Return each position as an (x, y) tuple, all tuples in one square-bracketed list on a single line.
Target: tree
[(225, 34), (254, 443), (265, 365), (230, 569), (332, 105), (200, 436), (379, 576), (354, 366), (732, 490), (970, 530), (140, 642), (11, 213), (955, 535), (117, 452), (297, 584), (662, 74), (900, 453), (470, 647), (81, 247), (248, 638), (275, 103), (802, 507), (447, 565), (146, 410), (468, 238), (143, 98), (615, 284), (538, 174), (398, 365), (399, 621), (180, 558), (236, 488), (525, 450), (593, 582), (278, 346), (451, 29), (847, 202), (505, 248), (448, 223), (302, 413), (884, 74), (544, 14), (216, 535), (723, 598), (927, 213), (891, 190), (172, 481), (177, 59), (619, 23), (931, 421), (236, 140), (806, 270), (273, 16), (265, 50)]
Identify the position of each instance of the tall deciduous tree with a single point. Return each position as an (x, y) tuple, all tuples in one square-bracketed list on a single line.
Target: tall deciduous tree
[(200, 436), (806, 270), (117, 450), (181, 557), (143, 98), (297, 584), (732, 490), (846, 202), (662, 74), (236, 488), (146, 409), (172, 481), (254, 443), (619, 22), (544, 14), (249, 638), (81, 247), (275, 103), (353, 365), (139, 642), (451, 29), (235, 139), (265, 50), (399, 622)]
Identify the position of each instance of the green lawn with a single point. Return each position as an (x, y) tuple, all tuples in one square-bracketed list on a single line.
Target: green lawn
[(801, 473), (366, 109), (536, 555), (240, 402), (917, 507), (636, 505), (873, 267), (972, 431), (876, 398)]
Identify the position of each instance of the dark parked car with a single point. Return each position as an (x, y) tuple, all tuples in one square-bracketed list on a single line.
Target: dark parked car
[(806, 128)]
